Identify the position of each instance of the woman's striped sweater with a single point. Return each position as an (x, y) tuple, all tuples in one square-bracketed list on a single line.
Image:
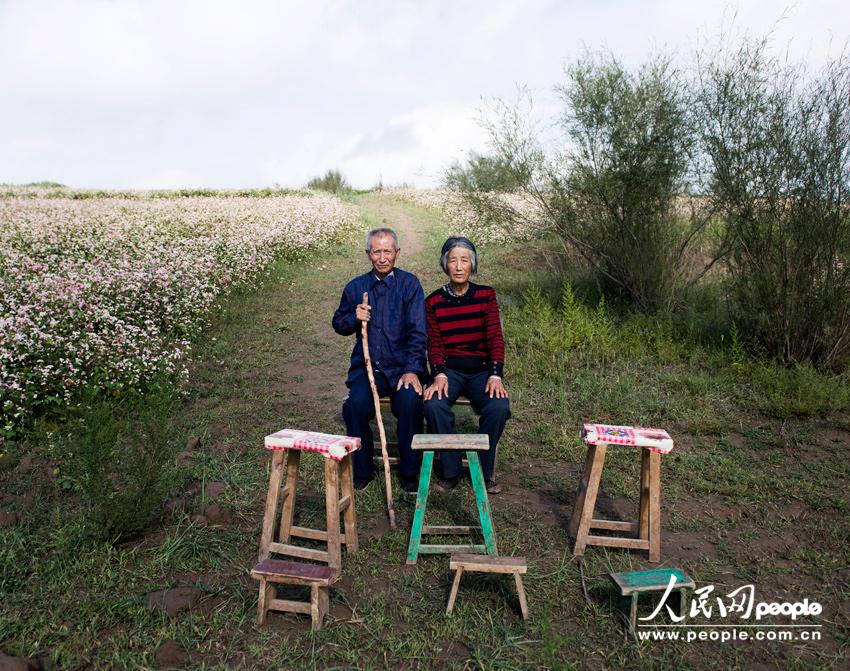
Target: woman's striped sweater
[(465, 332)]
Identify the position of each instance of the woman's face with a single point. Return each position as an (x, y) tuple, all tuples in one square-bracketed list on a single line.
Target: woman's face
[(459, 265)]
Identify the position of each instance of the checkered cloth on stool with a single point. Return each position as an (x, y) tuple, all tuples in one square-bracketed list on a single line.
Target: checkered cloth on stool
[(328, 445), (656, 440)]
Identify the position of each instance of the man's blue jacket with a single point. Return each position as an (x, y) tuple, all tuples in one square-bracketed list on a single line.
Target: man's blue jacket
[(397, 340)]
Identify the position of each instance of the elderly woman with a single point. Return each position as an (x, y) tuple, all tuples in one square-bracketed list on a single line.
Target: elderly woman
[(466, 350)]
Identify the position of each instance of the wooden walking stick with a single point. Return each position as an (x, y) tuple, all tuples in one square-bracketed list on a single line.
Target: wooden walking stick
[(377, 400)]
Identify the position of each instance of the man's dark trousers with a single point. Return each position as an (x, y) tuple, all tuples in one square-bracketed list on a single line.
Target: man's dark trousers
[(359, 409)]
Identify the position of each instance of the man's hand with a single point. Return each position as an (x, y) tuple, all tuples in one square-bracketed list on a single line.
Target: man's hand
[(363, 312), (408, 380), (495, 387), (439, 386)]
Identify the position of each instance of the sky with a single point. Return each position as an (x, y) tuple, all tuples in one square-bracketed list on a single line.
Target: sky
[(254, 93)]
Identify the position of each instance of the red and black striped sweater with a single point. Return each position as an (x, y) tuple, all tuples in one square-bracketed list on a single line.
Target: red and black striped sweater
[(465, 332)]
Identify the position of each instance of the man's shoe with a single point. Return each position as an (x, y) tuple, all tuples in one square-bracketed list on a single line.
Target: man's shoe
[(447, 485), (492, 487), (409, 486), (361, 483)]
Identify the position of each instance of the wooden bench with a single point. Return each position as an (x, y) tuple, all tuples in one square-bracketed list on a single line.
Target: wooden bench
[(632, 585), (487, 564), (392, 446), (271, 572), (471, 444)]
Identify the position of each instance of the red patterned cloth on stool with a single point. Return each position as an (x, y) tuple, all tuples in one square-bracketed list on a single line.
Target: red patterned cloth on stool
[(328, 445), (656, 440)]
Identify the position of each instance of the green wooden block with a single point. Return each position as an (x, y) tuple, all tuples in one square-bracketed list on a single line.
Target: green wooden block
[(655, 580), (632, 585)]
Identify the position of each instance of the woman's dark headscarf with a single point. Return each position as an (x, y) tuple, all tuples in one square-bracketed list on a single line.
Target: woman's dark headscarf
[(450, 244)]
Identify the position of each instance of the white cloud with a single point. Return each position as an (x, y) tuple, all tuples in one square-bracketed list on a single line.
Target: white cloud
[(808, 30), (431, 137), (222, 93), (126, 51)]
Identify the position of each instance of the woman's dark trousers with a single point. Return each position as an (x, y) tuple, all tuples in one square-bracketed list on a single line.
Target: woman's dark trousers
[(494, 413)]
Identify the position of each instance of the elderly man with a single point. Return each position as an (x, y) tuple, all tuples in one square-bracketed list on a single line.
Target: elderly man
[(395, 316)]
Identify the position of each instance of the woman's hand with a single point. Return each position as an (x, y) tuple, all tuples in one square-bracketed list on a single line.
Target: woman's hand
[(495, 387), (439, 386)]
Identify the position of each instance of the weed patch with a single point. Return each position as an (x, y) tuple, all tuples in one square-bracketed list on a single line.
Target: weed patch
[(120, 455)]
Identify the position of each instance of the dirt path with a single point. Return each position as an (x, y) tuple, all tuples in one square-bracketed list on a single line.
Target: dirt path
[(284, 365), (316, 358), (290, 360), (420, 235)]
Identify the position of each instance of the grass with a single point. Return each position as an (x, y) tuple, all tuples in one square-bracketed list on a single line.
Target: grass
[(753, 492)]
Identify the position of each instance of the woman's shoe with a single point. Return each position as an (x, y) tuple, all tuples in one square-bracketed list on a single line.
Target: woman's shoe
[(492, 487)]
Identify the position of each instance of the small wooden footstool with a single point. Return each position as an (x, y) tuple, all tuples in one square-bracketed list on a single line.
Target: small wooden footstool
[(275, 571), (645, 534), (631, 585), (488, 564)]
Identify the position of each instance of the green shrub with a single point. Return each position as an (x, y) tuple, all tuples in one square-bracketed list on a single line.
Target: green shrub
[(618, 191), (557, 333), (121, 457), (332, 181), (593, 335), (485, 173), (799, 391), (576, 362), (779, 148)]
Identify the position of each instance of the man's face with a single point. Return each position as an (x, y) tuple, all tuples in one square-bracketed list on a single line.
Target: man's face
[(382, 253)]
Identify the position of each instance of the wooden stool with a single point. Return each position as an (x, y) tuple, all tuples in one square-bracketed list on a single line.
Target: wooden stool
[(338, 474), (471, 444), (633, 584), (274, 571), (654, 443), (487, 564)]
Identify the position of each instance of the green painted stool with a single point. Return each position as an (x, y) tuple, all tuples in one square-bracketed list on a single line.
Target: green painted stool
[(631, 585), (471, 444)]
